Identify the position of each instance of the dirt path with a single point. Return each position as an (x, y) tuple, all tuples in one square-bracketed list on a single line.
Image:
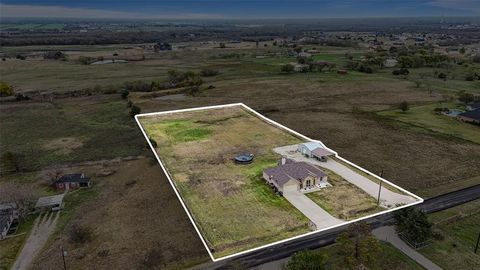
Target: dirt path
[(43, 227)]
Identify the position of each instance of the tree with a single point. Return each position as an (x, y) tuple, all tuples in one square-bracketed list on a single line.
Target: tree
[(11, 162), (22, 195), (413, 224), (5, 89), (153, 142), (222, 45), (358, 245), (55, 55), (125, 93), (287, 68), (465, 97), (404, 106), (462, 50), (307, 260), (134, 110)]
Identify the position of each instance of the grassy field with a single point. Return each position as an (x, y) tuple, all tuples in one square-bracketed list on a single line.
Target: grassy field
[(69, 130), (232, 205), (344, 200), (424, 117), (459, 227), (389, 258)]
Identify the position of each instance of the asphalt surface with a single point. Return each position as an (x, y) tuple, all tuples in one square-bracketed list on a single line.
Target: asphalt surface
[(326, 238)]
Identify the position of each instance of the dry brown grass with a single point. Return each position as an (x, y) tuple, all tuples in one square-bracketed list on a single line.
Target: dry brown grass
[(232, 205), (137, 223), (343, 199)]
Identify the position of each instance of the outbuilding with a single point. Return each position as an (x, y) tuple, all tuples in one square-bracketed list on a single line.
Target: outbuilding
[(50, 203)]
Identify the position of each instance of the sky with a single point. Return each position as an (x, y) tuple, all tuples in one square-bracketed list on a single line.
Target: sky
[(235, 9)]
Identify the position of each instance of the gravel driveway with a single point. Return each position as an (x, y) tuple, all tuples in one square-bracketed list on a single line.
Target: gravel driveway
[(43, 227)]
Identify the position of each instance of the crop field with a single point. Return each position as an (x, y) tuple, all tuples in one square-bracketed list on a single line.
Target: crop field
[(231, 203)]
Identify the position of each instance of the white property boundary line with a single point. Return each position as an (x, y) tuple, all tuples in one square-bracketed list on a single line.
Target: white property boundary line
[(420, 200)]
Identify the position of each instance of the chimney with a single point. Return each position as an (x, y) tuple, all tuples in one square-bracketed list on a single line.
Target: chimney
[(284, 160)]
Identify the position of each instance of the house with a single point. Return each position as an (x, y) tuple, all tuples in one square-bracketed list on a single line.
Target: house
[(388, 63), (470, 116), (305, 54), (50, 203), (293, 175), (8, 216), (300, 67), (72, 181), (314, 150), (473, 106)]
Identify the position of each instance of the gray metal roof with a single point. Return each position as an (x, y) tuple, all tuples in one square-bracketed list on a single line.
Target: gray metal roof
[(312, 145), (50, 201)]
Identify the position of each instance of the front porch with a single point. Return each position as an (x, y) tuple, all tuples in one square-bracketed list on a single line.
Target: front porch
[(315, 187)]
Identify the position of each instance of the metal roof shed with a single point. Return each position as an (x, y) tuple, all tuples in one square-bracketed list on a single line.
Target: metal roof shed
[(53, 203)]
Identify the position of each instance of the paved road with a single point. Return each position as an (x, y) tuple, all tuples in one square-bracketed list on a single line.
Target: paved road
[(316, 214), (42, 228), (321, 239), (388, 234), (387, 198)]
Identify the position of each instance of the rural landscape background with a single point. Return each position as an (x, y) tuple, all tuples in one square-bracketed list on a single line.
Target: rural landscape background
[(70, 88)]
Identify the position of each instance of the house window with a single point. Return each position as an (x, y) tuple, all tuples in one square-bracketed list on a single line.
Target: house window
[(308, 183)]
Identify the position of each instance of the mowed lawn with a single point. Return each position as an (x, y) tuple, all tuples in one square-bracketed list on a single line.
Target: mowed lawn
[(344, 200), (425, 117), (459, 229), (233, 206)]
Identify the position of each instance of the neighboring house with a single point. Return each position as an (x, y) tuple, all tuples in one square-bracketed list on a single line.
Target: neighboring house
[(8, 215), (72, 181), (390, 63), (314, 150), (300, 67), (305, 54), (473, 106), (292, 175), (50, 203), (470, 116)]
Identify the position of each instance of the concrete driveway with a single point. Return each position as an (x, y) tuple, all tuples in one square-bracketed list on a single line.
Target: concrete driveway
[(316, 214), (387, 197)]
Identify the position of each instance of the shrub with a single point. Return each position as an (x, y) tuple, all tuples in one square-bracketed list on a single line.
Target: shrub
[(125, 93), (442, 75), (404, 106), (80, 234), (55, 55), (401, 71), (307, 260), (287, 68), (208, 72), (134, 110), (153, 142), (86, 60), (5, 89)]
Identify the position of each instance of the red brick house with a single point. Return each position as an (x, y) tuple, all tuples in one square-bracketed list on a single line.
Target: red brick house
[(73, 181)]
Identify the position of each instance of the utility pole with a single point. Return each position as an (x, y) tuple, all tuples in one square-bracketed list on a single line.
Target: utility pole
[(380, 188), (478, 240), (63, 257)]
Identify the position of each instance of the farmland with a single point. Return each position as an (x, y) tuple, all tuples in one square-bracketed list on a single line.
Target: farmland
[(234, 208), (343, 111)]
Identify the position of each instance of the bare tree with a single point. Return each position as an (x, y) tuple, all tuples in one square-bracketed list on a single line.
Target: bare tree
[(22, 195)]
